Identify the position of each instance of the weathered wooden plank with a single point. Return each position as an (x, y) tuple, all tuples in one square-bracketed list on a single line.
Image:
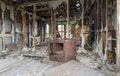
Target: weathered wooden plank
[(54, 23), (68, 22), (43, 9), (24, 26), (35, 25), (118, 34)]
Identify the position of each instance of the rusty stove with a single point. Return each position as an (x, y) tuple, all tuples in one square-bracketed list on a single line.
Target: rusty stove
[(62, 50)]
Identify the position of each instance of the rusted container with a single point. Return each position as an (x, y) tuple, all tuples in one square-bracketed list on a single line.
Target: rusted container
[(62, 50)]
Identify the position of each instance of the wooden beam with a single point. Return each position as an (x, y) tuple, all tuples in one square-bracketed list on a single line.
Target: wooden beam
[(29, 32), (32, 14), (24, 26), (97, 19), (8, 2), (106, 32), (44, 26), (44, 13), (41, 31), (118, 34), (83, 11), (43, 9), (3, 43), (53, 14), (35, 3), (35, 25), (62, 12), (68, 21)]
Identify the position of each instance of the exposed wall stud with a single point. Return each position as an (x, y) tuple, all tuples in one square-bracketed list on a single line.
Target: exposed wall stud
[(118, 33), (35, 25), (24, 26)]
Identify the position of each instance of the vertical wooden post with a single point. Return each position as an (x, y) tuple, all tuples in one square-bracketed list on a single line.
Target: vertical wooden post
[(29, 32), (118, 33), (24, 26), (54, 23), (15, 13), (44, 32), (41, 37), (97, 23), (3, 43), (106, 30), (35, 25), (68, 21), (31, 26), (82, 14), (51, 31), (82, 23)]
